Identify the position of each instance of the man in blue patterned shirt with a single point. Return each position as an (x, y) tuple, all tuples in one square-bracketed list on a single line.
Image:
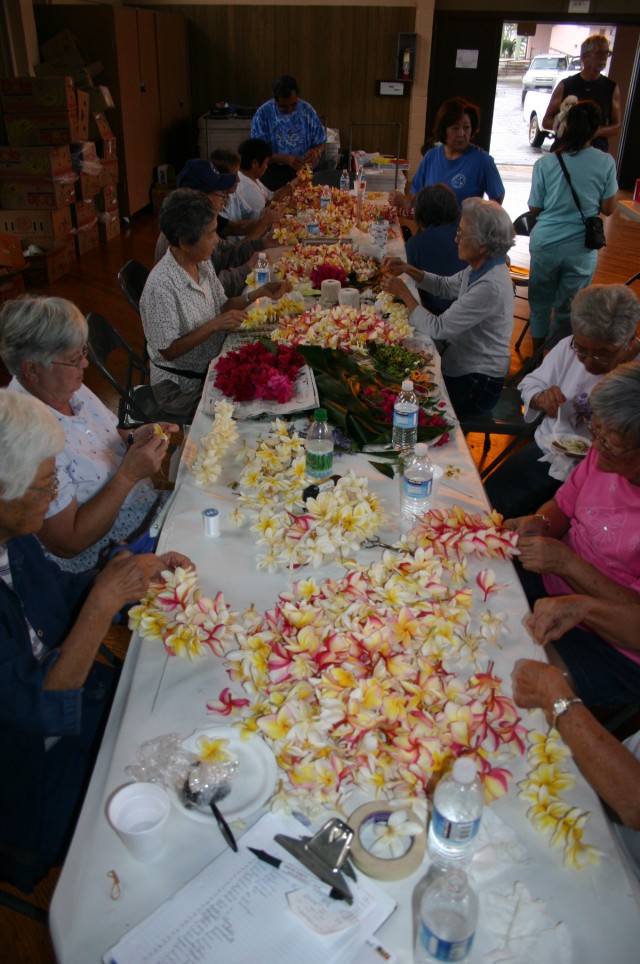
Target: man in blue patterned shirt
[(293, 130)]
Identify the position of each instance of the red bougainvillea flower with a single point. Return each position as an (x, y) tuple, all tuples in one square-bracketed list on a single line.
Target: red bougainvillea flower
[(325, 271)]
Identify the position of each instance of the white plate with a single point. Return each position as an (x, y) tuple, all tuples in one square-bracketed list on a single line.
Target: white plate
[(255, 777), (565, 443)]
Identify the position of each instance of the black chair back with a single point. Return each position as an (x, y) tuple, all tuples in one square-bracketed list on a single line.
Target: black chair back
[(132, 278)]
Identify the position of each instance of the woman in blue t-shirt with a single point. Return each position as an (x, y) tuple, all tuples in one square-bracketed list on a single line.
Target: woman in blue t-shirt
[(455, 161)]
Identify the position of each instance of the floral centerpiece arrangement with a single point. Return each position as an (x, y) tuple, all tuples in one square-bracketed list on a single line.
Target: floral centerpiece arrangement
[(342, 327), (257, 371), (291, 532)]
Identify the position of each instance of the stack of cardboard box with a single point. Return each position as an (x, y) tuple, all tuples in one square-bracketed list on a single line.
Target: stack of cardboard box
[(59, 172)]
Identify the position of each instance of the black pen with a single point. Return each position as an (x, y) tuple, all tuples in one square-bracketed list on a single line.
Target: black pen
[(303, 877)]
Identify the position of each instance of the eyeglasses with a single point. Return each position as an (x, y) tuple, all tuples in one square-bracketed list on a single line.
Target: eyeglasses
[(604, 358), (223, 194), (75, 362), (610, 449), (50, 490), (464, 237)]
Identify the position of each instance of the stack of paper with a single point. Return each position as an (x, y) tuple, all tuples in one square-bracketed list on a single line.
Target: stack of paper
[(240, 910)]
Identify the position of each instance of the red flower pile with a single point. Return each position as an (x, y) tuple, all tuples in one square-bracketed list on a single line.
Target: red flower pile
[(255, 372), (324, 271)]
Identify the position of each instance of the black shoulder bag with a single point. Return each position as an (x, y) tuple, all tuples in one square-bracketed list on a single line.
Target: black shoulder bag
[(594, 238)]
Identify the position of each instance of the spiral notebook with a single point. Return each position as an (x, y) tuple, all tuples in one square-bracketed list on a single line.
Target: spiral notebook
[(240, 910)]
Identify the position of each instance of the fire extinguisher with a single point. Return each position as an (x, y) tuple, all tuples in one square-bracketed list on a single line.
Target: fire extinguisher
[(406, 64)]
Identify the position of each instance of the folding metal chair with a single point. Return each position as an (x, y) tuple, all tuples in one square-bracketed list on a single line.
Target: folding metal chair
[(520, 276), (132, 278), (137, 405)]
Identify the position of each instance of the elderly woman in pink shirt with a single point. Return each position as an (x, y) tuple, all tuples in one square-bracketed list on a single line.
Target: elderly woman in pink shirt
[(587, 540)]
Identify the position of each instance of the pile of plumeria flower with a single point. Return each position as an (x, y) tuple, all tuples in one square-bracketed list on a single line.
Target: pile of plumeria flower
[(548, 812), (335, 221), (214, 446), (344, 327), (266, 313), (298, 265), (289, 531)]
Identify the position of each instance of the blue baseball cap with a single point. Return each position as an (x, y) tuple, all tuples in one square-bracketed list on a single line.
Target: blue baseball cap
[(202, 175)]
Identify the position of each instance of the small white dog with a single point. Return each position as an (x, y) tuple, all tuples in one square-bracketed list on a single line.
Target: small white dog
[(560, 121)]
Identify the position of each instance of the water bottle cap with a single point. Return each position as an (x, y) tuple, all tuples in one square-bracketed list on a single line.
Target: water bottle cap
[(407, 385), (464, 770), (262, 254), (421, 449), (320, 415)]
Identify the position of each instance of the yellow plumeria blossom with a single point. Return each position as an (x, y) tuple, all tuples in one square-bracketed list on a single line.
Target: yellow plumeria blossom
[(213, 751), (357, 682), (214, 446), (290, 532), (266, 313), (548, 813)]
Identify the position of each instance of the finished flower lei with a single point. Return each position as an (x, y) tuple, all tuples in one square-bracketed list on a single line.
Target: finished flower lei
[(208, 465)]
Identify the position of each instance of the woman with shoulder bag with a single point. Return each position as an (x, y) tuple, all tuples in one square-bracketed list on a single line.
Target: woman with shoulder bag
[(569, 189)]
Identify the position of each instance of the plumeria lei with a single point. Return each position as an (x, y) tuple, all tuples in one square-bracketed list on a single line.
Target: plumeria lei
[(344, 327), (290, 532), (253, 371), (208, 465), (548, 812), (356, 683)]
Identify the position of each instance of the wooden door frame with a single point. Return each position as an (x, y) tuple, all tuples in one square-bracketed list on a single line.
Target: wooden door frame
[(629, 148)]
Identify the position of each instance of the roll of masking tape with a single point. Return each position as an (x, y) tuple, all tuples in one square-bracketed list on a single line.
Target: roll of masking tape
[(329, 291), (381, 868)]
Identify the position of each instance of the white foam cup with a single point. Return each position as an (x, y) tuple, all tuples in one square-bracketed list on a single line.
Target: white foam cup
[(138, 813)]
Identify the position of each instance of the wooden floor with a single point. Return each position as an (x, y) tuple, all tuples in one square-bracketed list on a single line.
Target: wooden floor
[(92, 285)]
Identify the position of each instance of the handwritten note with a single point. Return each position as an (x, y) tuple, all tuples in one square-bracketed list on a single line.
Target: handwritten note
[(239, 906)]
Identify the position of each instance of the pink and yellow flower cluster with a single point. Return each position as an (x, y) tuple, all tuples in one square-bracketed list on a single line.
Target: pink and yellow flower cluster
[(298, 264), (343, 327), (356, 683), (177, 613)]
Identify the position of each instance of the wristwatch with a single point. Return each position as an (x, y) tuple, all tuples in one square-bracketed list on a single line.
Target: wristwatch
[(561, 706), (131, 439)]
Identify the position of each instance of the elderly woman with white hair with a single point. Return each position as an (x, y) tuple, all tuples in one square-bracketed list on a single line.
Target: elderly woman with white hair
[(53, 696), (477, 327), (585, 541), (604, 320), (105, 496)]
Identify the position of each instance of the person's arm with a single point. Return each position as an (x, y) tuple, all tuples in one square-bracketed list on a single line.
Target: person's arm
[(77, 527), (124, 579), (547, 553), (227, 320), (608, 766), (608, 206), (615, 118), (553, 107), (618, 623)]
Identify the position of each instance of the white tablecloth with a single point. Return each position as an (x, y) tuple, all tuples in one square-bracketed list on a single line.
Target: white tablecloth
[(158, 695)]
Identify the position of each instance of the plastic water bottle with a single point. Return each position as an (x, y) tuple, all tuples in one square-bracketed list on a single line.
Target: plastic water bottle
[(345, 183), (457, 810), (417, 482), (448, 919), (262, 271), (319, 448), (405, 418), (325, 197)]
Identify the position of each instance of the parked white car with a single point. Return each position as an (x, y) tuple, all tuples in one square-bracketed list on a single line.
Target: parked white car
[(546, 70), (533, 110)]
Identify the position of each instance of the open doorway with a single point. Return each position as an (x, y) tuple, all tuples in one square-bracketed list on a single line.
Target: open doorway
[(533, 59)]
